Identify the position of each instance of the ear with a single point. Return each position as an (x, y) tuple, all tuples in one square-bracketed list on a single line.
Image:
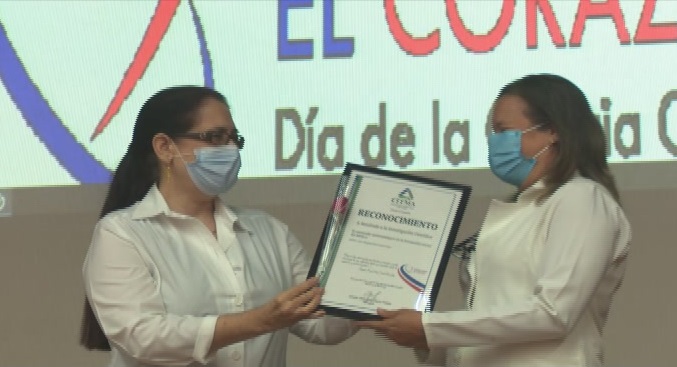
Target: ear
[(164, 148), (554, 138)]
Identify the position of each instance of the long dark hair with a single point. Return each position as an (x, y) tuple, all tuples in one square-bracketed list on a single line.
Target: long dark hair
[(558, 104), (170, 111)]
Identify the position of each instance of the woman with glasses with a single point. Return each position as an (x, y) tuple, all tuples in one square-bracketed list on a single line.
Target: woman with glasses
[(175, 277), (546, 264)]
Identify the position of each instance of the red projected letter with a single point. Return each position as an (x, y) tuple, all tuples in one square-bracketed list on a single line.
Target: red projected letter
[(648, 32), (482, 42), (550, 22), (609, 8), (416, 46)]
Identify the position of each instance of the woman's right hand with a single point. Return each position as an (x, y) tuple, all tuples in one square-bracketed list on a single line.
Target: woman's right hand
[(292, 305), (287, 308)]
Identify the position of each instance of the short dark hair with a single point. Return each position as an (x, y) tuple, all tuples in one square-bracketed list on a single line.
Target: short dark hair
[(170, 111), (558, 104)]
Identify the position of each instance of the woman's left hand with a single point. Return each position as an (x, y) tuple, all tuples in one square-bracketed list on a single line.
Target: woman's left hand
[(403, 327)]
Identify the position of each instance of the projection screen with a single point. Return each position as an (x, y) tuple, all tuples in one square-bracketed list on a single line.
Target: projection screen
[(403, 85)]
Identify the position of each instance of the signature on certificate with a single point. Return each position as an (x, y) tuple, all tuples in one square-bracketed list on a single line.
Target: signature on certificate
[(370, 297)]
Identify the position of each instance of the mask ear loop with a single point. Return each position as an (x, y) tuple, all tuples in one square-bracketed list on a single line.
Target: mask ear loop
[(545, 147), (542, 150), (179, 153), (552, 142), (532, 128)]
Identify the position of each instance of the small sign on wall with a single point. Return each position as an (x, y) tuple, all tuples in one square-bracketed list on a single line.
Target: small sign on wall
[(5, 203)]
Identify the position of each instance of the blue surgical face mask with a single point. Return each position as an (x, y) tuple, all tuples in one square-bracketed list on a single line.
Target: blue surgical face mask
[(505, 156), (215, 169)]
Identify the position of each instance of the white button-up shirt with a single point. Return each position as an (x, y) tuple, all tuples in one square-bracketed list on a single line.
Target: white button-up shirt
[(157, 281), (542, 279)]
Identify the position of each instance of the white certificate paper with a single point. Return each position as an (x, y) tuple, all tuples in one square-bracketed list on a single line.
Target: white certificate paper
[(386, 242)]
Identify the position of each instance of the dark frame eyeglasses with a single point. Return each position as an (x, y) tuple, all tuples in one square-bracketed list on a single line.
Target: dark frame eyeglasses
[(216, 136)]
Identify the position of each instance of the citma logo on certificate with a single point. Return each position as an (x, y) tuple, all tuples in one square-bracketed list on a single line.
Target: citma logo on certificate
[(404, 200)]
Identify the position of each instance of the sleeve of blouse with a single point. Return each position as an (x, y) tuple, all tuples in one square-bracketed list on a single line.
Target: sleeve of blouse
[(586, 235), (438, 356), (464, 280), (328, 329), (127, 303)]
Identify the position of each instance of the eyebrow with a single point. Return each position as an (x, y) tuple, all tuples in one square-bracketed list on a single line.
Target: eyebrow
[(227, 129)]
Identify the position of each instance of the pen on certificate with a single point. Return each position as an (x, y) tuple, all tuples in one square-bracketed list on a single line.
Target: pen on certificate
[(337, 210), (340, 213)]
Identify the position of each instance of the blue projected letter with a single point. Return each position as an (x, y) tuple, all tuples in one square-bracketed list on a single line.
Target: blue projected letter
[(291, 49), (335, 47)]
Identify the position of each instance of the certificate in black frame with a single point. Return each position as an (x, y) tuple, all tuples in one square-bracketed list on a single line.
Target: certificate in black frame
[(349, 169)]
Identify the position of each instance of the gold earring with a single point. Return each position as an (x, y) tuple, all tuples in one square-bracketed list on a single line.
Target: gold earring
[(168, 171)]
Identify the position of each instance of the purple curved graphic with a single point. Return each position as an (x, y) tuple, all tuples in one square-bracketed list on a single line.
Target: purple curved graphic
[(207, 70), (40, 117), (46, 124)]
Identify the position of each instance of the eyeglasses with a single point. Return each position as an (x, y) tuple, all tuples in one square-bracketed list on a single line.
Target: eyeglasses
[(220, 136), (532, 128)]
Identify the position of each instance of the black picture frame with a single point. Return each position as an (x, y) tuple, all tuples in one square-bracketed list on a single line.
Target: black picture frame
[(465, 192)]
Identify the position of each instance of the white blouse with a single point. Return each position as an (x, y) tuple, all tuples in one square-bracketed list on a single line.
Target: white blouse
[(157, 281), (541, 282)]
